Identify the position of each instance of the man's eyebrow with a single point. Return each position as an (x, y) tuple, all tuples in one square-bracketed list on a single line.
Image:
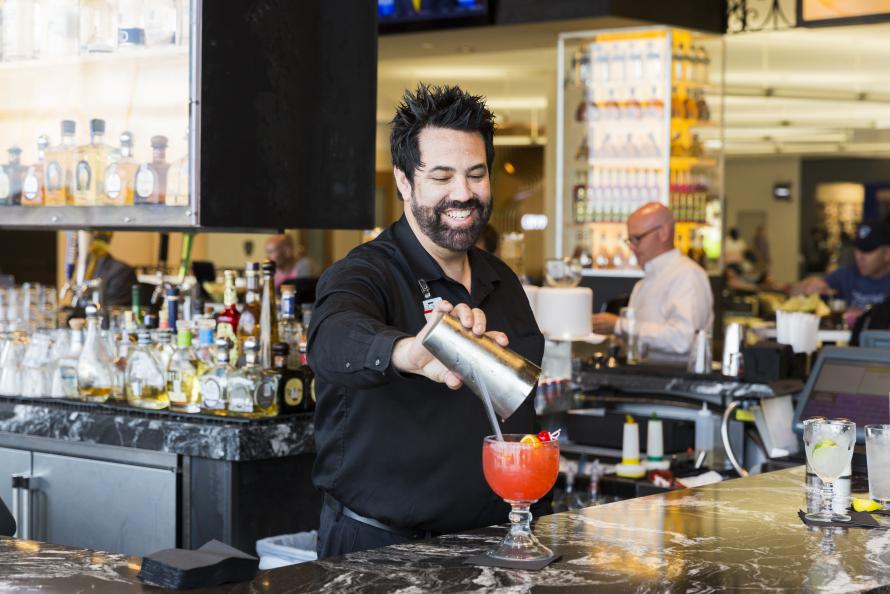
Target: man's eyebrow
[(444, 168)]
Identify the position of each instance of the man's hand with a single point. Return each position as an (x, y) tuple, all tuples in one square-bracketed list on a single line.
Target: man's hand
[(604, 323), (812, 286), (410, 356)]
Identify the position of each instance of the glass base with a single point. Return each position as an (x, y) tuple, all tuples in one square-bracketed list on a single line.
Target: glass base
[(520, 544), (825, 516)]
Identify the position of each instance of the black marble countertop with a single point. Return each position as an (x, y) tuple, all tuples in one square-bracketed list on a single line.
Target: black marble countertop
[(218, 438), (736, 535)]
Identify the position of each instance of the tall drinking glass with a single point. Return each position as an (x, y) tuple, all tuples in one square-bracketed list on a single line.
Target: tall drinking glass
[(877, 456), (628, 323), (520, 473), (829, 447)]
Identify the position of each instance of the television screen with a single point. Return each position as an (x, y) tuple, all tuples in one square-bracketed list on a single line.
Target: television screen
[(840, 12), (412, 11)]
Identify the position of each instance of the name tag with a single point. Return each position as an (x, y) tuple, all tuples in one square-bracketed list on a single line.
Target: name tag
[(429, 306)]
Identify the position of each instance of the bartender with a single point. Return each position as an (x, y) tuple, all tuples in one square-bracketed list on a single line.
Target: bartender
[(398, 438), (117, 277), (864, 283), (673, 299)]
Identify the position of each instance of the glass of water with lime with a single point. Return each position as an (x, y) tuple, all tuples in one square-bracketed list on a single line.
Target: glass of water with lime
[(829, 447), (877, 456)]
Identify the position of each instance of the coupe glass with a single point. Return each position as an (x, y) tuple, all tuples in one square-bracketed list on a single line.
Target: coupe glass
[(829, 446), (520, 473)]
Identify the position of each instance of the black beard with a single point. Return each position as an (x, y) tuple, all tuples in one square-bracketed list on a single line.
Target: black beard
[(459, 240)]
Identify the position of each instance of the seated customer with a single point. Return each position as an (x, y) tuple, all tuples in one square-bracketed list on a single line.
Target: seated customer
[(673, 299), (865, 283)]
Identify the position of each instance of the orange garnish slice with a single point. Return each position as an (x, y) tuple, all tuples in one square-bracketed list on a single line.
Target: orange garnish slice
[(531, 440)]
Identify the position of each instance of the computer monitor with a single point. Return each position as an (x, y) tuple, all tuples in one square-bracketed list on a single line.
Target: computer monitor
[(847, 383), (875, 339)]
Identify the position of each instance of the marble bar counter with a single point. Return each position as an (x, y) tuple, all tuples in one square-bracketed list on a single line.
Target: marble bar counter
[(203, 436), (737, 535)]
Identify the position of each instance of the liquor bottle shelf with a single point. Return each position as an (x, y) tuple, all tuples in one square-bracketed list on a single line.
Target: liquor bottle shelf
[(140, 216)]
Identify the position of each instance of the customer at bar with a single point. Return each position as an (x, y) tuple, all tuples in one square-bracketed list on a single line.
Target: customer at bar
[(865, 283), (398, 439), (673, 299), (290, 260)]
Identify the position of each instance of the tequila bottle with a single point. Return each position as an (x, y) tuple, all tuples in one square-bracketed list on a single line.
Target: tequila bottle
[(227, 320), (268, 314), (249, 321), (57, 34), (245, 382), (64, 382), (182, 375), (204, 353), (92, 161), (162, 347), (214, 381), (11, 176), (60, 168), (292, 387), (32, 185), (98, 25), (119, 390), (17, 30), (290, 330), (130, 23), (95, 369), (151, 177), (120, 175), (146, 385)]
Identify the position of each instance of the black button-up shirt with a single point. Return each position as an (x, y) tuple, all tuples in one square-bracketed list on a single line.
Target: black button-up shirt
[(396, 447)]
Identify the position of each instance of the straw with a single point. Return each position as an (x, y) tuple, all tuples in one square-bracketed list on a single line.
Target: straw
[(489, 408)]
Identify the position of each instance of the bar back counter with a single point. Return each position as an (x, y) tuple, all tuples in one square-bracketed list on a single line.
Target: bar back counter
[(115, 478)]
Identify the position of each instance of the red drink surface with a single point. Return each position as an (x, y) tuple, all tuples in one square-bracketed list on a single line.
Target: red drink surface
[(520, 472)]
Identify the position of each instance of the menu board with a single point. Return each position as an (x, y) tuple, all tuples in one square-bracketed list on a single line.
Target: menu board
[(841, 12)]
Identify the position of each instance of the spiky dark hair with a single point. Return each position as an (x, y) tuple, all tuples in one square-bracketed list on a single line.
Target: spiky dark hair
[(437, 107)]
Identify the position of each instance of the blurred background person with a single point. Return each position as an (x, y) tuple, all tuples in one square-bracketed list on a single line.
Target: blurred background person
[(734, 248), (290, 261)]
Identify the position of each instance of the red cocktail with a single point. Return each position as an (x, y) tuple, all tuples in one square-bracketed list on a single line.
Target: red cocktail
[(520, 473)]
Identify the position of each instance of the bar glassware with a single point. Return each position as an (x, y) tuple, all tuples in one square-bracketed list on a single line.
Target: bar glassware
[(829, 448)]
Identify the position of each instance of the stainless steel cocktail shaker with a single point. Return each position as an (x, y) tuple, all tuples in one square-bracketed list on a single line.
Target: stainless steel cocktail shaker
[(508, 376)]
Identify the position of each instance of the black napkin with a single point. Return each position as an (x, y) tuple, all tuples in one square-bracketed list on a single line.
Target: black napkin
[(857, 520), (486, 561), (213, 564)]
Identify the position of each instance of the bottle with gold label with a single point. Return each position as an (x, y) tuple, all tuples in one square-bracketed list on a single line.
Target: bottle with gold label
[(92, 161), (227, 320), (59, 179), (145, 382), (291, 388), (32, 186), (95, 370), (215, 380), (151, 178), (120, 175), (252, 393)]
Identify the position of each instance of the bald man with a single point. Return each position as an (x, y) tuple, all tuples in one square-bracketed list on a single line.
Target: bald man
[(290, 263), (673, 299)]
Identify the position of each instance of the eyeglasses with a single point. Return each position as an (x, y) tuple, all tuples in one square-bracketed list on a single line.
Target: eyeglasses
[(635, 240)]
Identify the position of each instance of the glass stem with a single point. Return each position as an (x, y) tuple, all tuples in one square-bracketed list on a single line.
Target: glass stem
[(828, 498), (520, 518)]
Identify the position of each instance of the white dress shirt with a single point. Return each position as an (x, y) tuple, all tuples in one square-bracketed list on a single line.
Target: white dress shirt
[(670, 303)]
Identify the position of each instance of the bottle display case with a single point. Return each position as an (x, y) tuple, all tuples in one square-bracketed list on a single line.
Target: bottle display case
[(632, 107), (149, 114)]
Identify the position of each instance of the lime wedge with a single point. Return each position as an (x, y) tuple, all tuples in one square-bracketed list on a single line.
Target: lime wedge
[(823, 452), (825, 442), (865, 505)]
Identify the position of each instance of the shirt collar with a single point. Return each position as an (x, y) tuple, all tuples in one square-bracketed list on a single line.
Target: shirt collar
[(425, 267), (661, 261)]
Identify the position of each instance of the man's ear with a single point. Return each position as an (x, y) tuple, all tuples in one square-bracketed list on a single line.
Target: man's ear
[(402, 183)]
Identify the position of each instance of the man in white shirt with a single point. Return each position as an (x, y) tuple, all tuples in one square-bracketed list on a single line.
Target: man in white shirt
[(673, 299)]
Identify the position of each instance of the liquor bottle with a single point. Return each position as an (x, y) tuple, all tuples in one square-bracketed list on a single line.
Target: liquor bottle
[(95, 369), (17, 20), (60, 168), (32, 184), (145, 381), (251, 392), (178, 180), (160, 22), (151, 177), (98, 26), (205, 353), (11, 176), (227, 320), (64, 384), (162, 347), (120, 175), (214, 381), (182, 375), (291, 384), (130, 23), (92, 161), (268, 314), (119, 390), (602, 259), (249, 322), (309, 378), (579, 198), (171, 302), (290, 330), (57, 34)]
